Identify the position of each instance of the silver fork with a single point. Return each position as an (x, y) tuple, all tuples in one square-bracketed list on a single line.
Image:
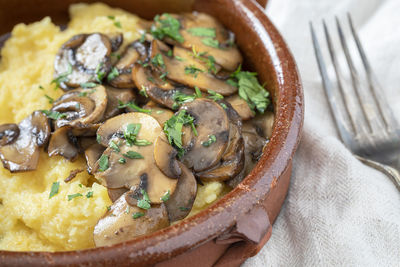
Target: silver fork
[(366, 124)]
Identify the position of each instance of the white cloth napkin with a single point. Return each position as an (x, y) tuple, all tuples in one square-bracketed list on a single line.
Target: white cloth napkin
[(338, 212)]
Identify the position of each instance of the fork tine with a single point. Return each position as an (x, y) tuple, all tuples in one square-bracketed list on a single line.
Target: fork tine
[(355, 78), (327, 85), (385, 112)]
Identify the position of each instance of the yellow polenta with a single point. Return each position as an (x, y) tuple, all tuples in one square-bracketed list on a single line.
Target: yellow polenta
[(29, 220)]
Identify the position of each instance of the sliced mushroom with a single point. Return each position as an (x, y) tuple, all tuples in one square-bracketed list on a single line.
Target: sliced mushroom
[(20, 152), (81, 59), (116, 193), (181, 201), (160, 114), (165, 157), (241, 107), (8, 133), (225, 55), (116, 40), (186, 72), (92, 155), (211, 120), (124, 222), (133, 52), (232, 162), (133, 171), (115, 96), (81, 107), (63, 143), (264, 124)]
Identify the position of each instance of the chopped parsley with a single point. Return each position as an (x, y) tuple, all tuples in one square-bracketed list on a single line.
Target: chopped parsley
[(132, 106), (89, 194), (166, 196), (210, 42), (117, 55), (181, 98), (99, 73), (145, 202), (179, 58), (63, 77), (51, 100), (169, 53), (41, 87), (98, 138), (88, 85), (202, 32), (197, 92), (130, 135), (250, 90), (158, 61), (192, 70), (214, 95), (210, 60), (142, 142), (211, 139), (55, 115), (86, 93), (122, 160), (71, 197), (184, 208), (54, 189), (173, 129), (113, 74), (114, 146), (137, 215), (116, 23), (103, 163), (166, 26), (142, 37), (159, 111), (133, 155), (223, 105), (143, 91)]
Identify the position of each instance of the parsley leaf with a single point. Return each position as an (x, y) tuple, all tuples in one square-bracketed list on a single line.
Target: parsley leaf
[(166, 26), (192, 70), (137, 215), (114, 146), (70, 197), (103, 163), (173, 129), (55, 115), (181, 98), (133, 155), (250, 90), (210, 42), (122, 160), (54, 189), (166, 196), (145, 202), (113, 74), (89, 194), (197, 92), (143, 91), (63, 77), (158, 61), (132, 106), (214, 95), (131, 132), (211, 139), (88, 85), (99, 73), (202, 32), (51, 100)]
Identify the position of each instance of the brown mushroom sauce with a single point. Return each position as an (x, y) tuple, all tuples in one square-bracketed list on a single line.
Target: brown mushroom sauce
[(173, 111)]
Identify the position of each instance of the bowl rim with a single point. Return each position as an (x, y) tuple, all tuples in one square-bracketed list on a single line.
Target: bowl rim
[(276, 158)]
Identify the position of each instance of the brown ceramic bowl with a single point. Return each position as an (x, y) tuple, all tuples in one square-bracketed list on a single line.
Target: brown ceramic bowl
[(238, 225)]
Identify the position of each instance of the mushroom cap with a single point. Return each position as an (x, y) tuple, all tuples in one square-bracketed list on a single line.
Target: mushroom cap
[(241, 107), (118, 224), (8, 133), (165, 157), (132, 173), (181, 201), (159, 113), (114, 96), (63, 143), (22, 153), (82, 107), (210, 119), (92, 155)]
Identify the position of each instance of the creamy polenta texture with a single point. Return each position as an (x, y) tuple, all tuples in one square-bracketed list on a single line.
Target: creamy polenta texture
[(29, 219)]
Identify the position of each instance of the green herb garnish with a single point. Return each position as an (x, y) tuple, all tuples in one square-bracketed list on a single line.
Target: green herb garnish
[(114, 146), (55, 115), (173, 129), (223, 105), (41, 87), (88, 85), (113, 74), (210, 42), (142, 37), (181, 98), (192, 70), (214, 95), (179, 58), (202, 32), (184, 208), (63, 77), (132, 106), (70, 197), (143, 91), (166, 26), (118, 24), (166, 196), (54, 189), (122, 160), (169, 53), (145, 202), (98, 138), (133, 155), (158, 61), (51, 100), (250, 90), (137, 215), (99, 73), (211, 139), (103, 163), (197, 92), (89, 194), (131, 132)]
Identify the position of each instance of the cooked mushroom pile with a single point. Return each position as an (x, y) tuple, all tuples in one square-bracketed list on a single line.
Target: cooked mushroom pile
[(173, 109)]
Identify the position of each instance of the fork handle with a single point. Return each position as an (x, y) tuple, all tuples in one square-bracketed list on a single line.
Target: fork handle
[(389, 171)]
